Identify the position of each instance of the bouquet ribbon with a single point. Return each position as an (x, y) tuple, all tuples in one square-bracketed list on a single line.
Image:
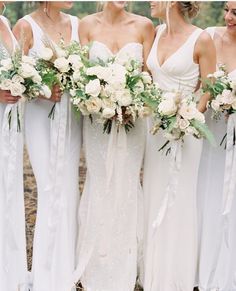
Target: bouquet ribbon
[(58, 139), (10, 147), (170, 193), (230, 172)]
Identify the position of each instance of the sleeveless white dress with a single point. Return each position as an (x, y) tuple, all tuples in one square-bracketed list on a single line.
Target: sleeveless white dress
[(13, 261), (54, 151), (217, 253), (171, 244), (109, 205)]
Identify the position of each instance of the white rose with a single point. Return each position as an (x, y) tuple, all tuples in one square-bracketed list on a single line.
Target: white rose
[(7, 64), (103, 73), (218, 74), (60, 52), (108, 112), (188, 111), (123, 97), (76, 76), (62, 64), (107, 102), (17, 89), (183, 123), (6, 84), (93, 105), (73, 93), (17, 79), (75, 61), (27, 71), (227, 96), (93, 88), (199, 116), (147, 79), (46, 54), (29, 60), (83, 108), (37, 79), (191, 131), (45, 91), (167, 107)]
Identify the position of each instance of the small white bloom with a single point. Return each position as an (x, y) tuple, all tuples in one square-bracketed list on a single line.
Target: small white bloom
[(60, 52), (123, 97), (6, 64), (27, 71), (45, 91), (93, 104), (75, 61), (190, 130), (144, 111), (83, 108), (139, 87), (199, 116), (188, 111), (183, 123), (46, 53), (17, 89), (167, 107), (219, 74), (93, 88), (76, 76), (108, 112), (29, 60), (147, 79), (72, 92), (37, 79), (62, 64)]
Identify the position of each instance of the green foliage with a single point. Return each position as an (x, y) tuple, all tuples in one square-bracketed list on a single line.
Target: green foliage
[(211, 13)]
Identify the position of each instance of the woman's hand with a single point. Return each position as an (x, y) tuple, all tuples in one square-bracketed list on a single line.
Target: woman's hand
[(7, 98), (56, 94)]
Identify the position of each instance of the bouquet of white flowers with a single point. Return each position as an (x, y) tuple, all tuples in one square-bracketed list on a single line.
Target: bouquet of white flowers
[(115, 92), (223, 92), (56, 64), (18, 74), (177, 116)]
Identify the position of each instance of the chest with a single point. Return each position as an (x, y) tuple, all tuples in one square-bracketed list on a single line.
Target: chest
[(226, 54), (6, 37)]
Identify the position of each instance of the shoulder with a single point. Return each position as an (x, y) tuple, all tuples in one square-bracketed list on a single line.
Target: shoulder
[(204, 39), (90, 19), (142, 21), (204, 45), (23, 24)]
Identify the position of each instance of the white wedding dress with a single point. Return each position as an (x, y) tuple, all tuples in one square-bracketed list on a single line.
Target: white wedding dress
[(109, 205), (54, 151), (217, 252), (13, 261), (171, 212)]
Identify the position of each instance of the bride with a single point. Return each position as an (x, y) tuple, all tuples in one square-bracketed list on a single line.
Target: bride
[(109, 207)]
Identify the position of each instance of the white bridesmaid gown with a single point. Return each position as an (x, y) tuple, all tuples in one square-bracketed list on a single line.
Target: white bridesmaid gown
[(171, 216), (108, 236), (13, 260), (217, 253), (54, 151)]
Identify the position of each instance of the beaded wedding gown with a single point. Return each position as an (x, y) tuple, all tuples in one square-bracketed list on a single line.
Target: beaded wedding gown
[(109, 206), (170, 185)]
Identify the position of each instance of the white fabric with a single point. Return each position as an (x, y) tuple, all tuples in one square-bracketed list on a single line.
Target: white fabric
[(171, 242), (13, 261), (109, 206), (217, 236), (54, 150)]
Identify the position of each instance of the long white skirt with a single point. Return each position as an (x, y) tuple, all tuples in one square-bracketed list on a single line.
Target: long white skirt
[(54, 154), (108, 238), (171, 244)]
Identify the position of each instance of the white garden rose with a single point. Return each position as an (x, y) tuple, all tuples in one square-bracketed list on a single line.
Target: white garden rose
[(188, 111), (46, 53), (103, 73), (93, 88), (147, 79), (167, 107), (83, 108), (17, 79), (73, 93), (227, 96), (93, 105), (17, 89), (108, 112), (29, 60), (27, 71), (183, 123), (62, 64), (76, 76), (6, 64), (108, 103), (75, 61), (6, 84), (46, 91), (218, 74), (60, 52), (123, 97)]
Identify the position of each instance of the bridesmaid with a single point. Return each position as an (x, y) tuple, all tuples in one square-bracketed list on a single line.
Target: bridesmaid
[(181, 55), (54, 154), (109, 207), (217, 256), (13, 262)]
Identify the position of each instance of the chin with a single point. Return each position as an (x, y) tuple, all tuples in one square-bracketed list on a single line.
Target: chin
[(119, 4), (63, 4)]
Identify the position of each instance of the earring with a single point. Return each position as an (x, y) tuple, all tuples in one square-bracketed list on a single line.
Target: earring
[(45, 10)]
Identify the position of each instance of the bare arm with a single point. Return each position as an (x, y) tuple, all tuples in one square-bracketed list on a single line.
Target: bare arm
[(206, 54), (148, 38)]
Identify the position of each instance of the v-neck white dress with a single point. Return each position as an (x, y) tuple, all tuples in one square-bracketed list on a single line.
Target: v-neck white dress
[(13, 260), (171, 216)]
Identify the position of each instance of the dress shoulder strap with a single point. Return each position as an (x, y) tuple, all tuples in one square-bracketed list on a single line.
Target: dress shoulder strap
[(75, 27), (36, 29)]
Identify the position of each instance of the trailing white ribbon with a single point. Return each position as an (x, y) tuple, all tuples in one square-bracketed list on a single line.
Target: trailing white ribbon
[(10, 148), (170, 193), (57, 161), (230, 174)]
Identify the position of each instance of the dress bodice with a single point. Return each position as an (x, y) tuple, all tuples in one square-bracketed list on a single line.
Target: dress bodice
[(132, 50), (39, 34), (179, 71), (14, 42)]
